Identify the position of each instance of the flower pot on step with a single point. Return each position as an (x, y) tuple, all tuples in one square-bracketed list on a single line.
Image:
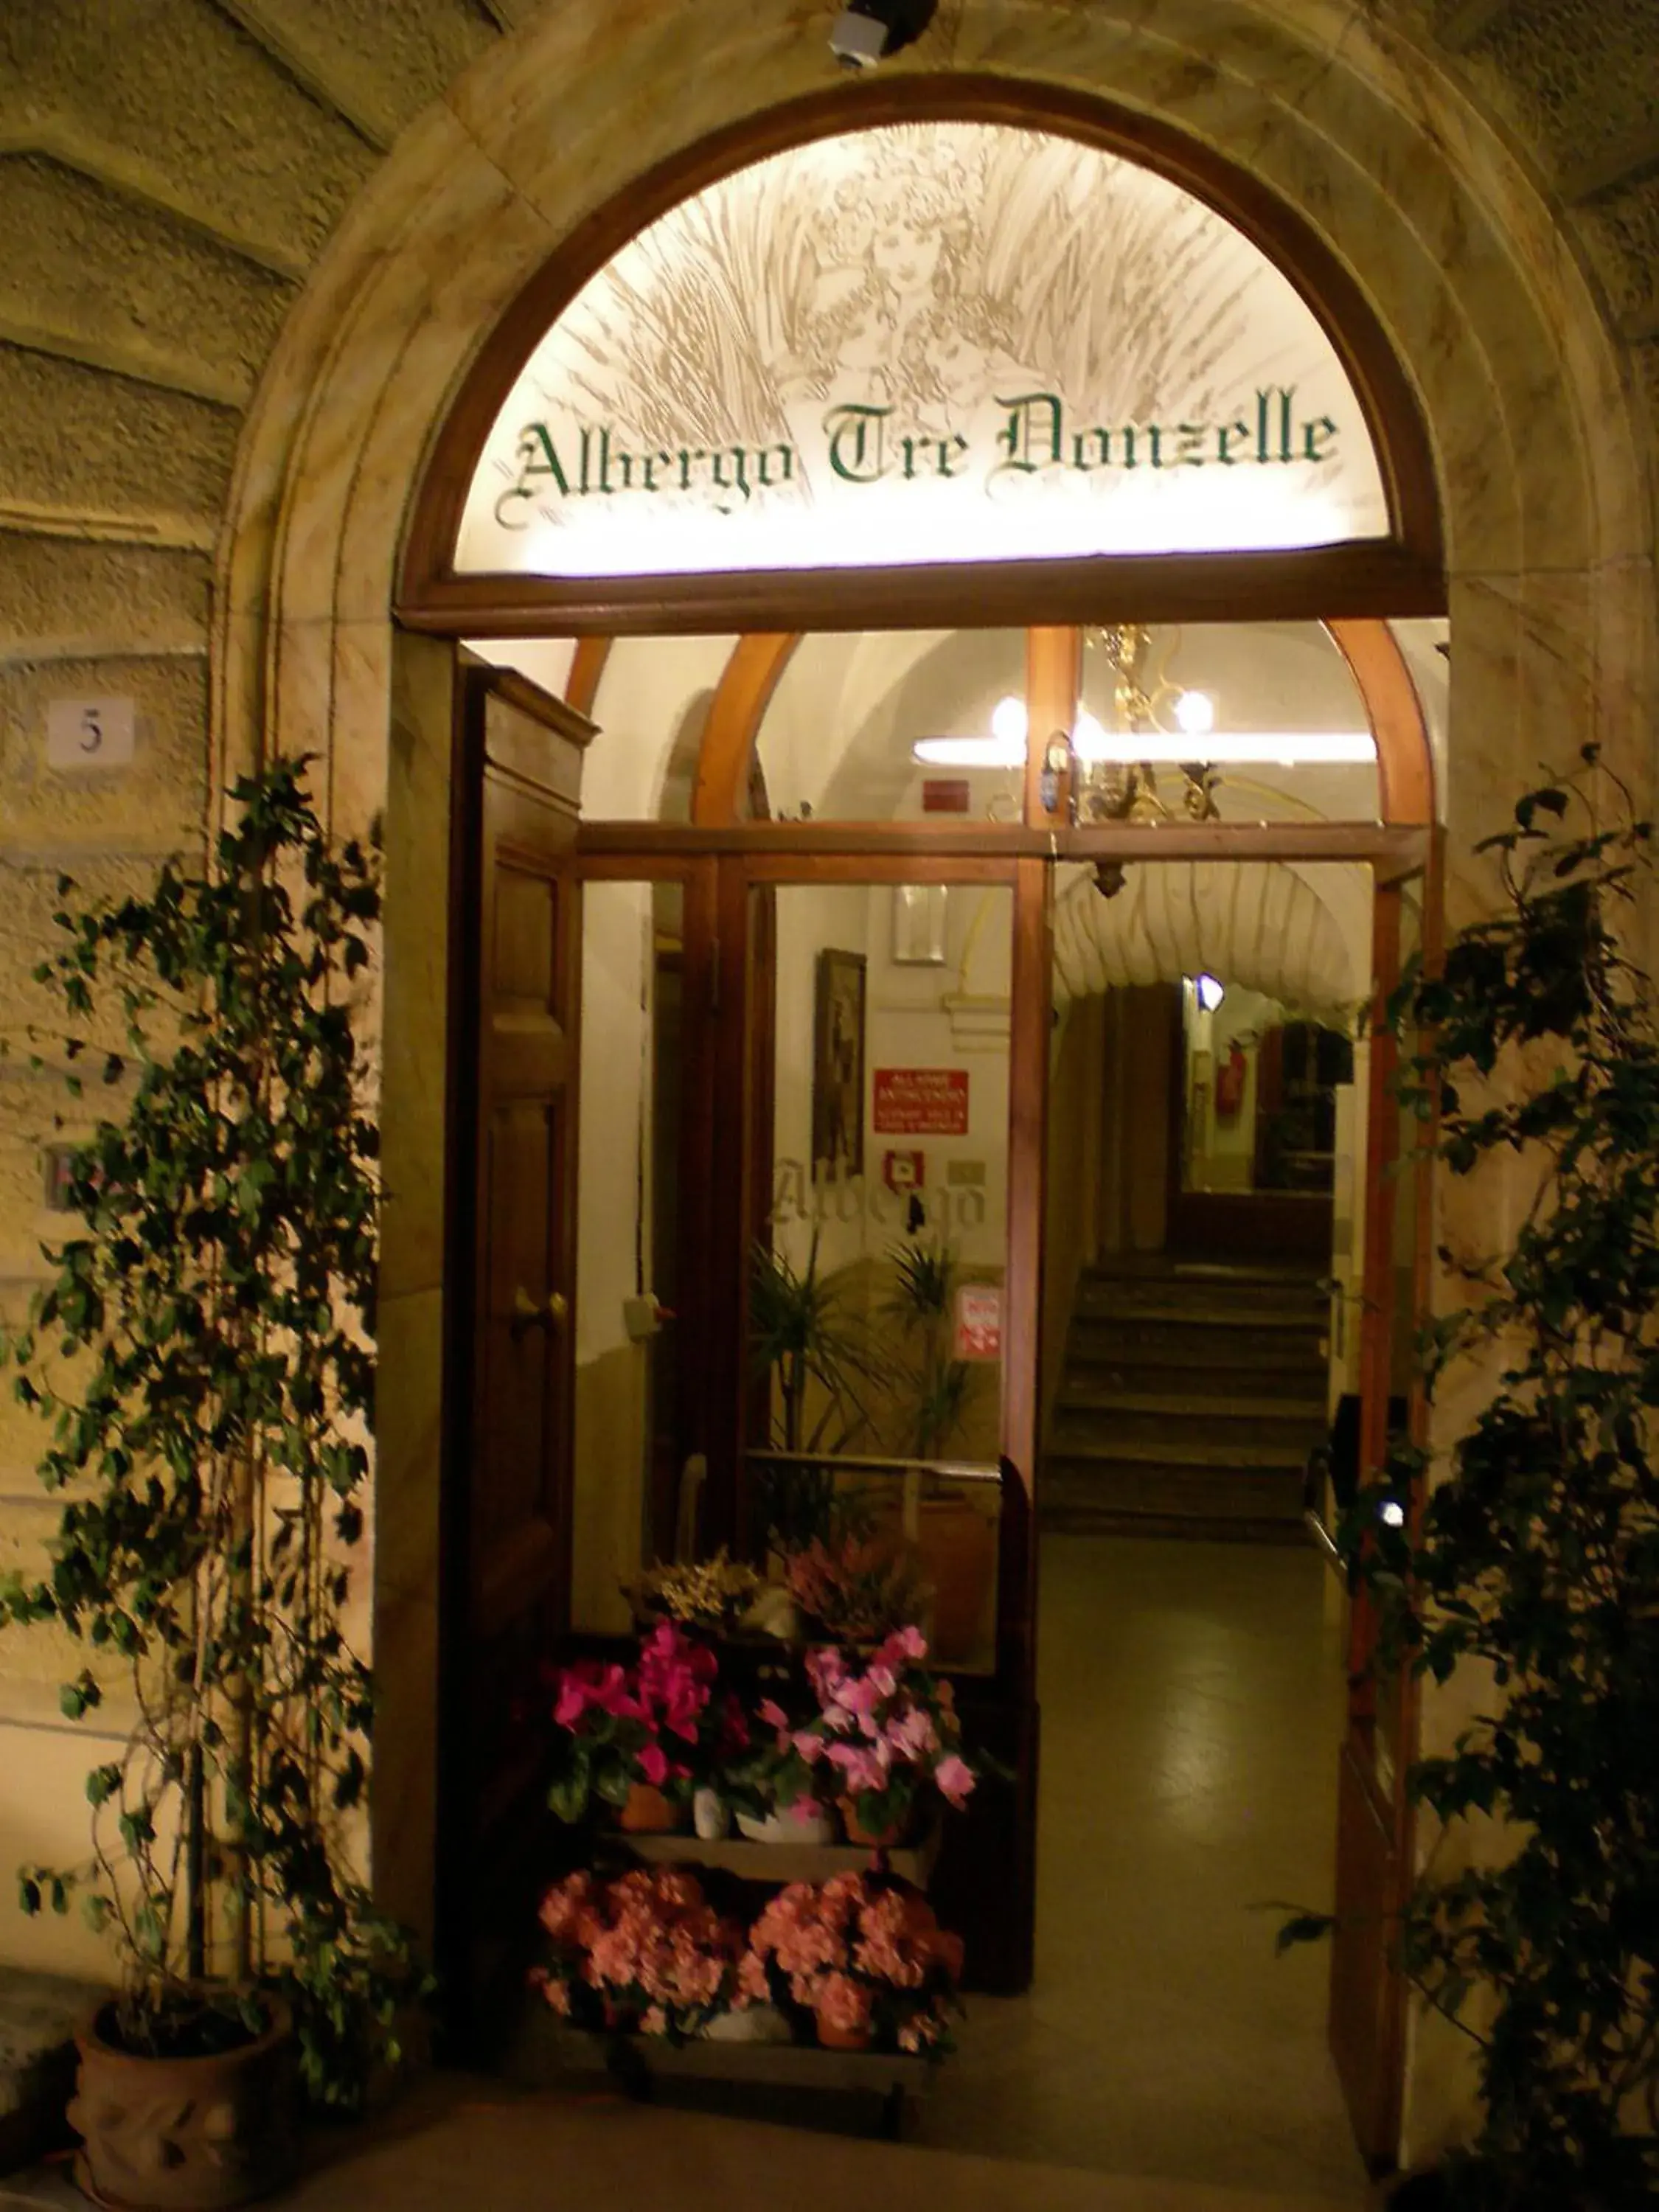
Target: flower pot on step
[(185, 2135), (646, 1812), (876, 1839), (787, 1827), (833, 2038), (711, 1816)]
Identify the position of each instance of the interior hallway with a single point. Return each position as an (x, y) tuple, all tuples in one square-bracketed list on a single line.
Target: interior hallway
[(1192, 1705)]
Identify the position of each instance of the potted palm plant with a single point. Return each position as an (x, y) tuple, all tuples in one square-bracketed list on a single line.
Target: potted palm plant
[(202, 1354), (956, 1545), (815, 1354)]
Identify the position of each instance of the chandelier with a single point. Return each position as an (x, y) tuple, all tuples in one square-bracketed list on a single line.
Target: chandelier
[(1112, 784)]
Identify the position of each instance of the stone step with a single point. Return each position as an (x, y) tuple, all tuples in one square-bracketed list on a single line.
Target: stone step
[(1300, 1382), (1247, 1311), (1173, 1448), (1179, 1343), (1092, 1393), (1169, 1498), (1079, 1426)]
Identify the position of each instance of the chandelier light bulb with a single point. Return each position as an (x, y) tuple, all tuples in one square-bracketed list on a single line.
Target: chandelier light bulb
[(1211, 992), (1010, 722), (1195, 712)]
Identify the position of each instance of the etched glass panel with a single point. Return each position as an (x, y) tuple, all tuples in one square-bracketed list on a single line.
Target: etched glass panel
[(930, 342)]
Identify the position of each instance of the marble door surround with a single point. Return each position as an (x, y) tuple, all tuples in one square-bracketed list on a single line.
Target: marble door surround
[(1537, 447)]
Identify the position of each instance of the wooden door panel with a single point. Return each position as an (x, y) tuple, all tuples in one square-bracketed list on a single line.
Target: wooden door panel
[(1366, 1995), (508, 1571)]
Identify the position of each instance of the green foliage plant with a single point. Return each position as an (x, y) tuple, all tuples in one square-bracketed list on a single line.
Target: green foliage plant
[(203, 1353), (811, 1346), (934, 1384), (1532, 1574)]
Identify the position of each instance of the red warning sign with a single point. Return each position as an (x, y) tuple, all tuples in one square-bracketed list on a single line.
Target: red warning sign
[(922, 1102), (979, 1321)]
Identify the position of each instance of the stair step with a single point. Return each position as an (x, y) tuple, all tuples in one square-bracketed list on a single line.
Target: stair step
[(1071, 1497), (1197, 1382), (1222, 1443), (1175, 1344), (1173, 1450), (1209, 1313), (1087, 1396)]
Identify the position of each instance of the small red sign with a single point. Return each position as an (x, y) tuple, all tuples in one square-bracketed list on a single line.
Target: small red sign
[(979, 1321), (903, 1171), (945, 794), (922, 1102)]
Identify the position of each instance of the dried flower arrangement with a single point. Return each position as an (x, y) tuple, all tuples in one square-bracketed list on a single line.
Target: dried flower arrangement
[(715, 1595), (854, 1586)]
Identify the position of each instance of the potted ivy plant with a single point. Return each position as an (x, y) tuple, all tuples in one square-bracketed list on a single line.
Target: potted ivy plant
[(203, 1355), (1528, 1568)]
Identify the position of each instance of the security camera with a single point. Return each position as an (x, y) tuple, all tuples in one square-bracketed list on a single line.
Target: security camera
[(870, 30)]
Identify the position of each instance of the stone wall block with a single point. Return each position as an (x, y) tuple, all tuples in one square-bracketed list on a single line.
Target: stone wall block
[(182, 88), (93, 266), (76, 442), (62, 599)]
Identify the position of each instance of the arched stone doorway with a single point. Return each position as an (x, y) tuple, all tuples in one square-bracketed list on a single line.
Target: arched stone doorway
[(1529, 428)]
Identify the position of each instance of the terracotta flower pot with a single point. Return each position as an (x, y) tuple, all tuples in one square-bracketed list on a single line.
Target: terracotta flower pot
[(885, 1840), (186, 2135), (646, 1812), (843, 2039)]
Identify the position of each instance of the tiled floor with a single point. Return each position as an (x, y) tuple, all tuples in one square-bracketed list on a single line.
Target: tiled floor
[(1165, 2062), (1192, 1704)]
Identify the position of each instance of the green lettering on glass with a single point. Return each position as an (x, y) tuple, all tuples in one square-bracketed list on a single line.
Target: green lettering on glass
[(1080, 448), (1313, 435), (738, 480), (536, 457), (1225, 433), (858, 442), (1031, 439), (1189, 444)]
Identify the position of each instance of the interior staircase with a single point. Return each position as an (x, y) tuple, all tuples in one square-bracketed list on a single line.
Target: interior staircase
[(1192, 1394)]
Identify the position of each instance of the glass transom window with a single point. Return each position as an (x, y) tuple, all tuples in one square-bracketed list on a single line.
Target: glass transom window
[(932, 341)]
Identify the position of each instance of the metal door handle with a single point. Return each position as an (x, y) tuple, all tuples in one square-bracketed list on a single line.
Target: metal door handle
[(526, 1314)]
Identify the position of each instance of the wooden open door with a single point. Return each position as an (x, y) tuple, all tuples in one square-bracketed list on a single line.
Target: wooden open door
[(1374, 1842), (507, 1518)]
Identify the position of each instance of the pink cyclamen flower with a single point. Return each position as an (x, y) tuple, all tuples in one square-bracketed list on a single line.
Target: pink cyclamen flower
[(653, 1763), (913, 1734), (907, 1643), (955, 1778)]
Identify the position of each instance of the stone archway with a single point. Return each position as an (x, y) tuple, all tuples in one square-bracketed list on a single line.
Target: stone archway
[(1538, 457)]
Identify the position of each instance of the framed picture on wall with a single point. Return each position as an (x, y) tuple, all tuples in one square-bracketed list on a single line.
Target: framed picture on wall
[(838, 1067)]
